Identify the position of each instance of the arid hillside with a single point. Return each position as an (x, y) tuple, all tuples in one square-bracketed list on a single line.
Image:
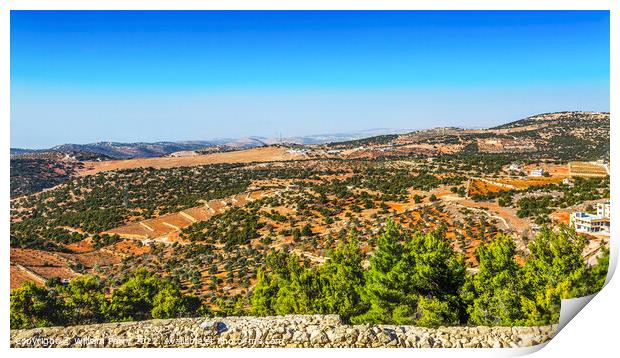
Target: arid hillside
[(266, 154)]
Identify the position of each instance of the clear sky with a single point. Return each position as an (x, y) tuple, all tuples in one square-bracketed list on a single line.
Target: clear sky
[(86, 76)]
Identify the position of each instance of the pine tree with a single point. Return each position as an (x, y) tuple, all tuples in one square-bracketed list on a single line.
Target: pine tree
[(33, 306), (493, 294), (597, 273), (287, 287), (554, 270), (432, 275), (264, 293), (384, 292), (84, 300), (343, 278)]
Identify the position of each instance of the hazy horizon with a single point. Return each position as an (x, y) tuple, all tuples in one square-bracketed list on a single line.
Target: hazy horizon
[(276, 135), (145, 76)]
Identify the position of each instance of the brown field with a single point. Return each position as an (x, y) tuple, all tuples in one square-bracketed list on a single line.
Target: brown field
[(81, 246), (102, 257), (19, 276), (50, 272), (167, 225), (30, 257), (37, 266), (526, 183), (265, 154), (484, 186), (584, 169), (561, 217)]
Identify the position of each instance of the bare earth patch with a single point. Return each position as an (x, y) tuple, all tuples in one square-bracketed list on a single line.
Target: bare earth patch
[(266, 154)]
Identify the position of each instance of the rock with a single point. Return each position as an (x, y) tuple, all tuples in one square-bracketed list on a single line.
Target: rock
[(217, 327), (278, 331), (318, 337)]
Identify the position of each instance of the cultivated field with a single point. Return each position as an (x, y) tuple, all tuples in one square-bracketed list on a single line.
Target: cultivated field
[(585, 169), (266, 154)]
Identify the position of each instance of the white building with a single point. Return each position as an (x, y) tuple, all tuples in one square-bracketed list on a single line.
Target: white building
[(537, 172), (514, 167), (603, 210), (590, 223)]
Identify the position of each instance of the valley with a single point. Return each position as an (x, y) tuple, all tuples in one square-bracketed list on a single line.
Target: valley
[(209, 220)]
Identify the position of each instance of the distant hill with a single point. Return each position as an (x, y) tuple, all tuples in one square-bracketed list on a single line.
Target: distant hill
[(132, 150), (117, 150), (565, 135), (33, 171), (562, 135)]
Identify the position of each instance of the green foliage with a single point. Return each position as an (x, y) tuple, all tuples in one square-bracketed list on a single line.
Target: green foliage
[(428, 273), (554, 270), (343, 280), (420, 280), (169, 302), (144, 295), (433, 312), (34, 306), (383, 291), (289, 287), (597, 273), (493, 294), (264, 293), (82, 301)]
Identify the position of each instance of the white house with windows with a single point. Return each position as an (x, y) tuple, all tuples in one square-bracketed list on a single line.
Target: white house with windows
[(591, 223), (603, 210), (537, 172)]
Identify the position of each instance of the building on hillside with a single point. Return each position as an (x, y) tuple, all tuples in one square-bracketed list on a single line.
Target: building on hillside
[(603, 210), (514, 167), (537, 172), (590, 223)]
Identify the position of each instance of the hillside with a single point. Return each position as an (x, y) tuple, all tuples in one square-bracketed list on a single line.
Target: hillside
[(561, 136), (33, 171), (215, 229)]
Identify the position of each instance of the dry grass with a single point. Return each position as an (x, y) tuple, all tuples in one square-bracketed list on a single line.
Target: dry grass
[(265, 154)]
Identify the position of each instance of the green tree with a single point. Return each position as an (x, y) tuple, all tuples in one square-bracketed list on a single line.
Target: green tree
[(597, 273), (286, 287), (133, 300), (343, 280), (33, 306), (432, 271), (554, 270), (144, 295), (433, 312), (169, 302), (493, 294), (300, 292), (384, 291), (84, 300), (264, 293)]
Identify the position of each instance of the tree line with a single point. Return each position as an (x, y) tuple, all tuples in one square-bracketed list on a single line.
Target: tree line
[(143, 295), (416, 279), (421, 280)]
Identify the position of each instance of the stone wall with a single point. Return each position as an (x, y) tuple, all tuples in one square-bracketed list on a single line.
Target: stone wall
[(281, 331)]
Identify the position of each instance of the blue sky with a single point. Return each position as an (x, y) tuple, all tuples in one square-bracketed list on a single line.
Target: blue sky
[(86, 76)]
